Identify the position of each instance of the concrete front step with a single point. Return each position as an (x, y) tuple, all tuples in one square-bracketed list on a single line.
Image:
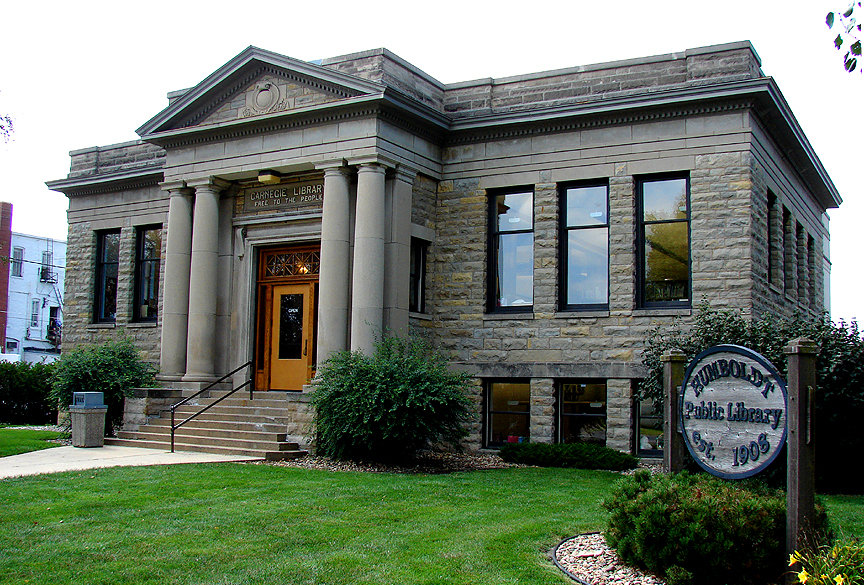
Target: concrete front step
[(229, 409), (214, 415), (228, 425), (222, 441), (268, 454), (214, 432)]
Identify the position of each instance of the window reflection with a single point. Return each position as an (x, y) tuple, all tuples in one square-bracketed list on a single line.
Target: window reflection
[(586, 260), (665, 242), (512, 253)]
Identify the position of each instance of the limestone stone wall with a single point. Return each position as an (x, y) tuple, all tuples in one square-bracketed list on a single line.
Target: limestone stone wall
[(90, 215), (115, 158)]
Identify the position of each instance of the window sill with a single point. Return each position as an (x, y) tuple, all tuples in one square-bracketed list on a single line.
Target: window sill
[(662, 312), (141, 325), (101, 326), (508, 316), (580, 314), (421, 316)]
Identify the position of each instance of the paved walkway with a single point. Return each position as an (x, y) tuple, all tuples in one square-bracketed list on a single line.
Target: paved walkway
[(59, 459)]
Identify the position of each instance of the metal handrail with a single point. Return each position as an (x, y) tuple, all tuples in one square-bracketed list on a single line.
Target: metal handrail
[(212, 404)]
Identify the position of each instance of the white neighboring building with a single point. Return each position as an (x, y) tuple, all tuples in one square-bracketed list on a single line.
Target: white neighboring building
[(35, 309)]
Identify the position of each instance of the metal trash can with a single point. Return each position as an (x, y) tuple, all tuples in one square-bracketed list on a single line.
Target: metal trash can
[(88, 412)]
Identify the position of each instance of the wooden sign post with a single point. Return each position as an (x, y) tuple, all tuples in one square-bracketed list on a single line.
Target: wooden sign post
[(801, 475)]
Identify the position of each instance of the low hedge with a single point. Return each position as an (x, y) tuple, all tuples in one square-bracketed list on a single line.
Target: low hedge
[(577, 455), (25, 393), (700, 529)]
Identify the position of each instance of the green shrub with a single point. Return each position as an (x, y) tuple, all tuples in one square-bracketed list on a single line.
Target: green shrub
[(113, 368), (387, 406), (839, 564), (24, 393), (839, 376), (577, 455), (717, 531)]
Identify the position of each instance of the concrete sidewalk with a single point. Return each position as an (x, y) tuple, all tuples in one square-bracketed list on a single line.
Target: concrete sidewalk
[(59, 459)]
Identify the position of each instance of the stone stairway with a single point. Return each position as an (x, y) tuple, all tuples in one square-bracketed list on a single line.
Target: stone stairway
[(273, 426)]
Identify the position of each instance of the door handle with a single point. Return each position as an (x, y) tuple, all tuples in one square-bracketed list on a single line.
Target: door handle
[(305, 346)]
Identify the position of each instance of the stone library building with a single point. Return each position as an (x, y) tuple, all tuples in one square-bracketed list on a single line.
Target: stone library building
[(533, 228)]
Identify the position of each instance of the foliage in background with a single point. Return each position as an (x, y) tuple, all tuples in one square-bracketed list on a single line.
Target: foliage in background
[(16, 441), (387, 406), (839, 564), (114, 368), (576, 455), (839, 375), (25, 393), (849, 33), (700, 529)]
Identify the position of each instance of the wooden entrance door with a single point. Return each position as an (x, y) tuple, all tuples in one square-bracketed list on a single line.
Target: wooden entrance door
[(290, 346), (285, 337)]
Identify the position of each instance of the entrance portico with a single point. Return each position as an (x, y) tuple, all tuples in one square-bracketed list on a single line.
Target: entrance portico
[(362, 228)]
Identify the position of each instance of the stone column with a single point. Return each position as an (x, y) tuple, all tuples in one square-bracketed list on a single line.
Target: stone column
[(203, 281), (175, 289), (367, 302), (619, 414), (542, 413), (397, 253), (334, 278)]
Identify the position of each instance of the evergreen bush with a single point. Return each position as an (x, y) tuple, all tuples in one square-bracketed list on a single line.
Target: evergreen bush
[(388, 406), (701, 529), (576, 455), (25, 393), (839, 376), (113, 368)]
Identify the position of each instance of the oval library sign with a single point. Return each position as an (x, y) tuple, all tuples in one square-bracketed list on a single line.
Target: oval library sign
[(733, 411)]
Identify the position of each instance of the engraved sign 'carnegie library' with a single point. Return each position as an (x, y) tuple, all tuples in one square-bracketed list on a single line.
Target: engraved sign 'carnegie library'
[(733, 411), (284, 196)]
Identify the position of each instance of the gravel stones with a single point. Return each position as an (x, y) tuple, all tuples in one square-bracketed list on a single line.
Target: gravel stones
[(588, 559), (426, 462)]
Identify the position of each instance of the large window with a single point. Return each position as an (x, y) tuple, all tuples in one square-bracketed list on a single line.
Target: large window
[(107, 263), (511, 258), (585, 247), (582, 411), (507, 412), (417, 286), (147, 257), (17, 261), (664, 241)]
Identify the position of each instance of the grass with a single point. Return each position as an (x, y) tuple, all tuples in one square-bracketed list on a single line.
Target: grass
[(250, 524), (258, 524), (15, 441)]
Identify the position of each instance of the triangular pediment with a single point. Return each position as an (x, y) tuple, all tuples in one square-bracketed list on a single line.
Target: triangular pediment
[(257, 83)]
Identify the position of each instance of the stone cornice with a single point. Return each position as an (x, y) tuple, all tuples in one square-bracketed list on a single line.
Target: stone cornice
[(92, 185)]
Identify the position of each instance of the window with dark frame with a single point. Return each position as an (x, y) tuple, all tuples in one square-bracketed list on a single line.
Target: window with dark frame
[(663, 205), (582, 411), (584, 238), (511, 251), (17, 261), (771, 237), (148, 247), (507, 412), (417, 286), (107, 264)]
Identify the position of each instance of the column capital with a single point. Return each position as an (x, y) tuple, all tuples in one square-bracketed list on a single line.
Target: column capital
[(337, 172), (329, 165), (175, 187), (405, 173), (208, 183), (374, 159)]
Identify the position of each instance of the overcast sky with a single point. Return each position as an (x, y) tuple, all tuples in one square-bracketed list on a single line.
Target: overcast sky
[(79, 74)]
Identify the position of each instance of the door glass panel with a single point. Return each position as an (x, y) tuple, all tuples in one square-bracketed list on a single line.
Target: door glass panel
[(290, 327)]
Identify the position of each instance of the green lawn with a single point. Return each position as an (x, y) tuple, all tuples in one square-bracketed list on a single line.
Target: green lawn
[(227, 523), (232, 524), (15, 441)]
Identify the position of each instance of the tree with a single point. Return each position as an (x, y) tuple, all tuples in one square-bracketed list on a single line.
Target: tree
[(849, 31)]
